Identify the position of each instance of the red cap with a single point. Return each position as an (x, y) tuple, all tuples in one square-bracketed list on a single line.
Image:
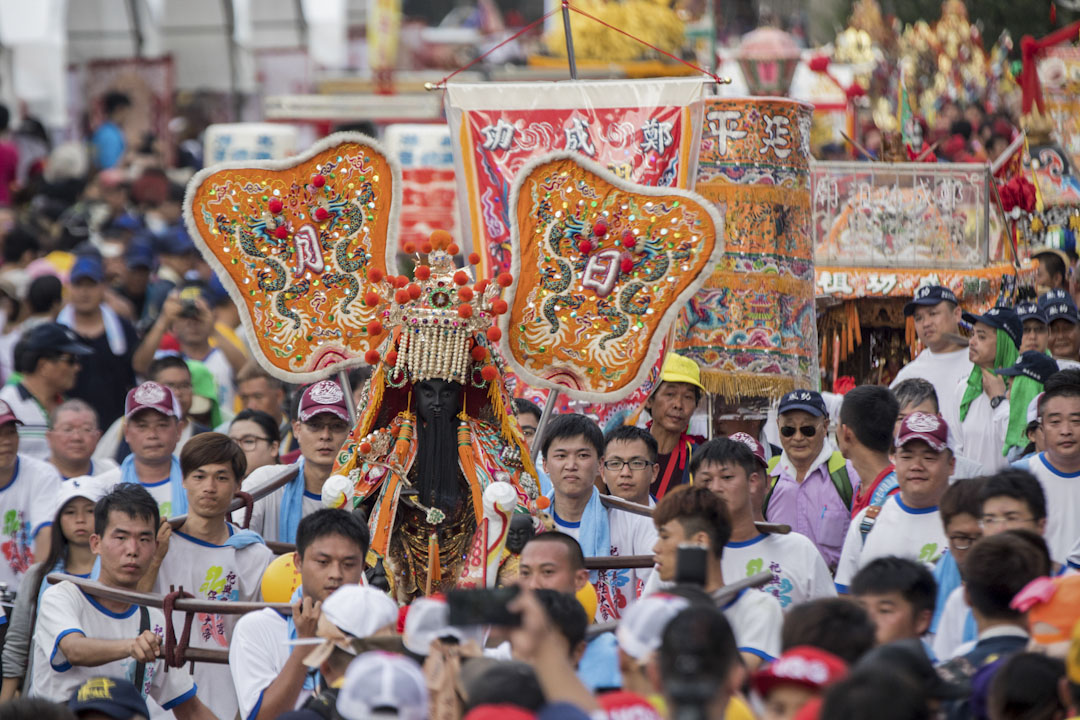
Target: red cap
[(808, 666), (754, 445), (151, 396), (323, 397), (927, 427), (623, 704), (811, 710), (7, 414)]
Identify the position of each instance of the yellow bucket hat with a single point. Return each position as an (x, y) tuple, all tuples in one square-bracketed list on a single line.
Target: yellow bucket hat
[(679, 369)]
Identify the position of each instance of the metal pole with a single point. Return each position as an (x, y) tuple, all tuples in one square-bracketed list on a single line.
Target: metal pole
[(343, 381), (569, 52), (549, 407)]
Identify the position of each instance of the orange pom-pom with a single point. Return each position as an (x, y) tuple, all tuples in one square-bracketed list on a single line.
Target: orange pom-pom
[(374, 328), (505, 279), (391, 357), (371, 299), (414, 291), (466, 294), (401, 296), (464, 311), (453, 249), (409, 248), (474, 259), (371, 357), (461, 277), (365, 448), (422, 272), (489, 373), (481, 286), (479, 353), (375, 275), (494, 334), (542, 503), (440, 239), (401, 281), (426, 248), (499, 306)]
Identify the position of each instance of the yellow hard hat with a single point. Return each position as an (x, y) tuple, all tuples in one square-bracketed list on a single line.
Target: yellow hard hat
[(679, 369), (587, 597), (280, 579)]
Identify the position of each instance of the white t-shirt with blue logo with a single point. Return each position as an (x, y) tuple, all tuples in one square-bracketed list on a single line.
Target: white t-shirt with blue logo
[(1062, 492), (799, 572), (914, 533)]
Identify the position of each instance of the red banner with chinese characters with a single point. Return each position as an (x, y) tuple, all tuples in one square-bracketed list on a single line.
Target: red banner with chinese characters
[(428, 187), (645, 131)]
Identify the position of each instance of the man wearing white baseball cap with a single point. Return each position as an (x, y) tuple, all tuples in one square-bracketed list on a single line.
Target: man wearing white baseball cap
[(320, 427), (380, 684)]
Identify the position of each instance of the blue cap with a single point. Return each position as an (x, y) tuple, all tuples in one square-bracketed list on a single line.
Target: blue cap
[(176, 241), (140, 254), (111, 696), (930, 295), (87, 267), (805, 400), (1054, 297), (215, 293), (1002, 318), (1061, 310), (1033, 364), (1030, 311), (126, 222)]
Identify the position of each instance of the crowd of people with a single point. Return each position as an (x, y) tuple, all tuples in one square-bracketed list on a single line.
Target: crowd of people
[(900, 552)]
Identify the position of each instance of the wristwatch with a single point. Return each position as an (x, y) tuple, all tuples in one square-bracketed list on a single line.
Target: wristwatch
[(995, 401)]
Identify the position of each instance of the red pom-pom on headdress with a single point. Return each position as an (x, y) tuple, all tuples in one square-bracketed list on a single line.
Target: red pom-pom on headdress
[(505, 279)]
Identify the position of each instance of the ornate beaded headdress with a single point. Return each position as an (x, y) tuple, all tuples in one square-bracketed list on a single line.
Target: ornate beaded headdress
[(443, 323)]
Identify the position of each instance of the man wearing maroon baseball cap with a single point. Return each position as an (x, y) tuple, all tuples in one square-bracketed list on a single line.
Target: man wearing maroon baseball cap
[(152, 431), (29, 489), (908, 523), (321, 426)]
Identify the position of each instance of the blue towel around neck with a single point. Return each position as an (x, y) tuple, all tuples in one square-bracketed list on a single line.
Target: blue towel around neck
[(176, 482), (594, 536), (292, 507)]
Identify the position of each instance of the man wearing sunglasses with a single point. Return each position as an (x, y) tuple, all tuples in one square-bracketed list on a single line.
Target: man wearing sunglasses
[(811, 484), (48, 358)]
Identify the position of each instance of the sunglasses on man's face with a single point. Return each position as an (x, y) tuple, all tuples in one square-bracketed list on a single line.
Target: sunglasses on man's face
[(806, 430)]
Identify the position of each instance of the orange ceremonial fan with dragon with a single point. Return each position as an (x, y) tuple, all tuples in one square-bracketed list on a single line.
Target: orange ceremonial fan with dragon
[(602, 268), (293, 242)]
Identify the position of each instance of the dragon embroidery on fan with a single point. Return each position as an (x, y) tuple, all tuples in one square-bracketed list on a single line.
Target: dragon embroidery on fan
[(293, 242)]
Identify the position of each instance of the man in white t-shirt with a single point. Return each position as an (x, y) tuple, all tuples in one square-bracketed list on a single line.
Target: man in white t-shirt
[(72, 438), (210, 557), (630, 466), (1058, 467), (729, 468), (945, 360), (695, 515), (908, 524), (268, 673), (152, 429), (28, 489), (321, 426), (573, 448), (79, 636)]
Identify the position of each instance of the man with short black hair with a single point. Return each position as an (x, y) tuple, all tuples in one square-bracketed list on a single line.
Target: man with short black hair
[(79, 636), (528, 414), (899, 596), (1051, 272), (865, 438), (908, 523), (210, 557), (836, 625), (670, 407), (108, 140), (573, 450), (699, 654), (697, 516), (629, 467), (1057, 467), (812, 485), (728, 468), (48, 356), (269, 675), (936, 312)]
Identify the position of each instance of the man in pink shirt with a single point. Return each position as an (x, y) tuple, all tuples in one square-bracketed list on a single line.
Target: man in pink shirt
[(812, 485)]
